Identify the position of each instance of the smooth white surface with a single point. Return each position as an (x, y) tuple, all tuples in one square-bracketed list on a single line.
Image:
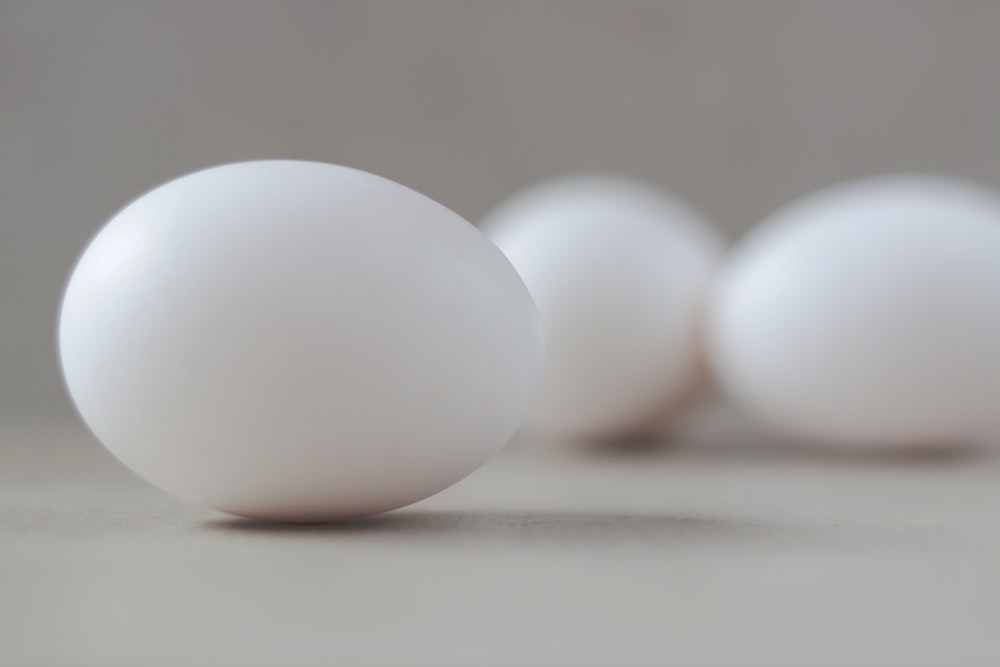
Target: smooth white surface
[(868, 314), (618, 271), (297, 341)]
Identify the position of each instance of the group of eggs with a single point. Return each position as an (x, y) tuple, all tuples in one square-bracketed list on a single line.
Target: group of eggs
[(865, 314), (300, 341)]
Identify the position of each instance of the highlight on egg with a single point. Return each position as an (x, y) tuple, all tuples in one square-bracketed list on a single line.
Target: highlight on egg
[(619, 271), (297, 341), (867, 315)]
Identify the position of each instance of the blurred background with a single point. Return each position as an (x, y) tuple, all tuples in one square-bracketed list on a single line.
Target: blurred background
[(736, 106)]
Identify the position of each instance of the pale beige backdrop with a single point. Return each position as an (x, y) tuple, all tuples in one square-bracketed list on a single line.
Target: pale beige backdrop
[(736, 105)]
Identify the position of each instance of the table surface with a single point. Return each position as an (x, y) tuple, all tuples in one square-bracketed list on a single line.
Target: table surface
[(703, 554)]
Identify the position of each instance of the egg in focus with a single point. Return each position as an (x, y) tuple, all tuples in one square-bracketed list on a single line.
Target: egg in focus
[(619, 271), (867, 314), (297, 341)]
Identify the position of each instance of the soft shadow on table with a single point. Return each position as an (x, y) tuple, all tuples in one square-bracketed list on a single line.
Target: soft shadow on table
[(513, 525), (580, 528), (764, 448), (737, 449)]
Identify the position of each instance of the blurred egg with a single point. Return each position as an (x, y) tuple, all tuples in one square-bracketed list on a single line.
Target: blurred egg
[(618, 271), (297, 341), (868, 314)]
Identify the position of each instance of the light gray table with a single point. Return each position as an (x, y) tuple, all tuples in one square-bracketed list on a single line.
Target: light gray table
[(703, 555)]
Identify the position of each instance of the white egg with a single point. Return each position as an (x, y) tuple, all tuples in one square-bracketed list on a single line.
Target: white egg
[(868, 314), (297, 341), (618, 271)]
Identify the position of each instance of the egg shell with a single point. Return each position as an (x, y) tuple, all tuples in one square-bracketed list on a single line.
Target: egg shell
[(297, 341), (867, 314), (619, 271)]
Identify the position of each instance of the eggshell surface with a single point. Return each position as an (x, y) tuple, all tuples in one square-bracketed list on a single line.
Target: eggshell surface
[(297, 341), (868, 314), (619, 271)]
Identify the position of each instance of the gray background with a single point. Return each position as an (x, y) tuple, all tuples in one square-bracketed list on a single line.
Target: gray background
[(737, 106)]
